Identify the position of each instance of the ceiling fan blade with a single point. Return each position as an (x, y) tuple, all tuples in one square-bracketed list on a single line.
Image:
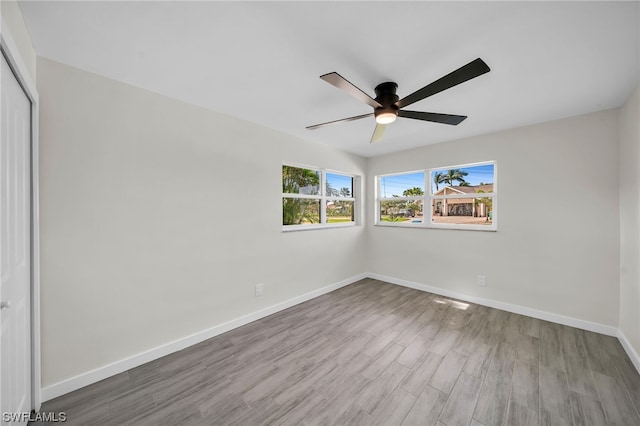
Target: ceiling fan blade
[(472, 70), (342, 83), (357, 117), (378, 132), (433, 116)]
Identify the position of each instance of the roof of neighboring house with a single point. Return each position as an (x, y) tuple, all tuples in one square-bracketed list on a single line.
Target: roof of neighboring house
[(466, 189)]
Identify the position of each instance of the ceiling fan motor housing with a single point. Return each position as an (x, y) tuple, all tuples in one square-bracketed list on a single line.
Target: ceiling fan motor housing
[(386, 96)]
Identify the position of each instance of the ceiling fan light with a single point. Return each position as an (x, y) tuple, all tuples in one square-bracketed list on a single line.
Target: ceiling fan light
[(386, 117)]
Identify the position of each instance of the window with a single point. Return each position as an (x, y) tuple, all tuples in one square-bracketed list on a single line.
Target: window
[(458, 197), (402, 198), (313, 198)]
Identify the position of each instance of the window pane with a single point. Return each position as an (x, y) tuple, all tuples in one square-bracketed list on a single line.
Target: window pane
[(297, 211), (339, 185), (296, 180), (409, 211), (467, 180), (406, 185), (463, 211), (339, 211)]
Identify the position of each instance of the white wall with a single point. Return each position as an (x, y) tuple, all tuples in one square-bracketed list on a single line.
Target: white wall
[(556, 249), (12, 18), (630, 220), (158, 218)]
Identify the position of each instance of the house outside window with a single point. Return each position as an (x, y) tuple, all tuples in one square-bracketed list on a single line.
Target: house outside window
[(315, 198), (458, 197)]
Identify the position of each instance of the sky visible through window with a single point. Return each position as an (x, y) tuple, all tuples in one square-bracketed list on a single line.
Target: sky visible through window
[(338, 182), (391, 186)]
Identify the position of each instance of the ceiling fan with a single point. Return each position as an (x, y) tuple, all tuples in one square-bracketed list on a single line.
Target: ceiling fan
[(387, 106)]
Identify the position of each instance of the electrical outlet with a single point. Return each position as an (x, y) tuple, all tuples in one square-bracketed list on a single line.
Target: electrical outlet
[(259, 289), (482, 280)]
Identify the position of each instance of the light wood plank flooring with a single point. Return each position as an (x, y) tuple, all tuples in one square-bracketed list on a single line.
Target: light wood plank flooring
[(374, 353)]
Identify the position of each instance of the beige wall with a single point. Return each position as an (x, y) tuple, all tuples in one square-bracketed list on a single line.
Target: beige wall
[(12, 18), (556, 249), (158, 219), (630, 220)]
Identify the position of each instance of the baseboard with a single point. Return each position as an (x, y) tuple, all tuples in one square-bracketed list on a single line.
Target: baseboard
[(85, 379), (516, 309), (93, 376), (633, 355)]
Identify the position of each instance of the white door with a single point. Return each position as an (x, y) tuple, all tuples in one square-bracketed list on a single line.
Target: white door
[(15, 249)]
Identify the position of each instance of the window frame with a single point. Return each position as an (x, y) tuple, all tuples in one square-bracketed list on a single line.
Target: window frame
[(324, 198), (429, 199)]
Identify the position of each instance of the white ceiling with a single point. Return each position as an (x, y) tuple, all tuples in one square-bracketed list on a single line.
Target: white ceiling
[(260, 61)]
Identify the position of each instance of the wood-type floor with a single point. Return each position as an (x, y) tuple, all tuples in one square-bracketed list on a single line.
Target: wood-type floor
[(376, 353)]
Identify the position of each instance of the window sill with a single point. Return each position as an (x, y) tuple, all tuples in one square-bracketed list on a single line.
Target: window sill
[(481, 228), (296, 228)]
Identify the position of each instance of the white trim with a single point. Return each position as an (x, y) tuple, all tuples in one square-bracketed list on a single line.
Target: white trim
[(633, 355), (93, 376), (516, 309), (421, 225), (323, 198), (302, 196), (15, 60), (312, 226), (21, 71), (428, 199)]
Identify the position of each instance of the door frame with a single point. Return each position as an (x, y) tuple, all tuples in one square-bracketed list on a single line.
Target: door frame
[(11, 53)]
